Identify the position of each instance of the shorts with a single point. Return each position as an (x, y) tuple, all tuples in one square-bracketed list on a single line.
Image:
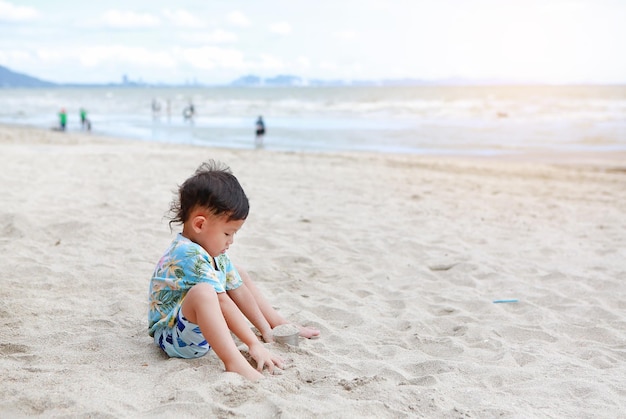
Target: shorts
[(184, 340)]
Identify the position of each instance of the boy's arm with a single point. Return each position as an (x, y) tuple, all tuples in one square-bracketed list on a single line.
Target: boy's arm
[(248, 305), (238, 325)]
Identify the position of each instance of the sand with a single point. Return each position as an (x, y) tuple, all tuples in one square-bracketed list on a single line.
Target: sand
[(396, 259)]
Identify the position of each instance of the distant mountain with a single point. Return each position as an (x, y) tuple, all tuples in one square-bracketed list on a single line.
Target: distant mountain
[(280, 80), (10, 78), (284, 80), (247, 81)]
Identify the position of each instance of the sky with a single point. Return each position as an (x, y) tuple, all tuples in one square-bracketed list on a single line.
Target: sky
[(215, 42)]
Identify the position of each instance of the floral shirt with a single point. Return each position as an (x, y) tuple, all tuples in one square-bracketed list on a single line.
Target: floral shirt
[(184, 265)]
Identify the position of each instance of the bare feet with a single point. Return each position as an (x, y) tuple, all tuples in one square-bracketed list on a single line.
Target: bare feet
[(309, 332)]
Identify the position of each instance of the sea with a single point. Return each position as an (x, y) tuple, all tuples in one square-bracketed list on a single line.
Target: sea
[(433, 120)]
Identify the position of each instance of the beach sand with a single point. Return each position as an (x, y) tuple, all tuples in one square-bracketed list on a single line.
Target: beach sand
[(397, 259)]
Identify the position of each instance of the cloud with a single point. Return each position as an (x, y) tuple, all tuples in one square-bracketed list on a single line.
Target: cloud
[(346, 35), (217, 36), (182, 18), (328, 66), (97, 55), (16, 57), (129, 19), (304, 62), (121, 54), (562, 7), (238, 19), (12, 13), (214, 58), (208, 57), (101, 59), (269, 62), (281, 28)]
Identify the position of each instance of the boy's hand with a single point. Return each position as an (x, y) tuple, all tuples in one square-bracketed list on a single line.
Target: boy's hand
[(268, 337), (264, 357)]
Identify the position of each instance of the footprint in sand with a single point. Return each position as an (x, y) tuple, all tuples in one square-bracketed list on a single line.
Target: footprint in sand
[(12, 349)]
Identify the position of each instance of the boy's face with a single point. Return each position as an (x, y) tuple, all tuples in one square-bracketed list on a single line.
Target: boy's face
[(214, 234)]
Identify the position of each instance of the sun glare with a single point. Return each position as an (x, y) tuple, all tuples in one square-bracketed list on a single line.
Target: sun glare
[(533, 42)]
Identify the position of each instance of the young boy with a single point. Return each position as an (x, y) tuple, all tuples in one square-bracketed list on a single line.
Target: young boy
[(197, 296)]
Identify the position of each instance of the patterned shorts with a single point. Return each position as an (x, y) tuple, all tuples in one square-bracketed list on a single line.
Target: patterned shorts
[(184, 340)]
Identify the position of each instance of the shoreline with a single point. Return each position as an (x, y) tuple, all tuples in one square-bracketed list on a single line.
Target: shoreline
[(397, 259), (612, 160)]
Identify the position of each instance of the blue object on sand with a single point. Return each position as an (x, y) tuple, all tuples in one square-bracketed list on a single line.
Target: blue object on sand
[(512, 300)]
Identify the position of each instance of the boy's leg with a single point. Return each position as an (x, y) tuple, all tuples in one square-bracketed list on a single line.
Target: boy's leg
[(201, 306), (271, 315)]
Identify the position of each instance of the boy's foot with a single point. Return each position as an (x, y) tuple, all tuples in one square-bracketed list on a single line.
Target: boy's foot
[(309, 332)]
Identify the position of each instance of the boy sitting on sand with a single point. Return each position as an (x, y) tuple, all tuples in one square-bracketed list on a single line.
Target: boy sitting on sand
[(197, 296)]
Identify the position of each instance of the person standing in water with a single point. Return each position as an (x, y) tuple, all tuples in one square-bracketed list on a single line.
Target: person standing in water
[(189, 112), (84, 122), (62, 120), (260, 131), (156, 109)]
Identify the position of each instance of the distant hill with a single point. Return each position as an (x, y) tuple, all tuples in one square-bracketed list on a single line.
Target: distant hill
[(248, 81), (10, 78), (280, 80), (284, 80)]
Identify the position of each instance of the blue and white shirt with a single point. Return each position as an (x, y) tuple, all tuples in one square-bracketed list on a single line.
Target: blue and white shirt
[(184, 265)]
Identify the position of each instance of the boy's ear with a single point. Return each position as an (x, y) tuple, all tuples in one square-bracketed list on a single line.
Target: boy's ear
[(198, 222)]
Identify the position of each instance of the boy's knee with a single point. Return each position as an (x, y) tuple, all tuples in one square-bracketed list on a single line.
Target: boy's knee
[(200, 295), (202, 291)]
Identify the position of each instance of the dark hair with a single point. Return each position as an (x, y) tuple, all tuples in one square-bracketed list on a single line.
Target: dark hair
[(214, 187)]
